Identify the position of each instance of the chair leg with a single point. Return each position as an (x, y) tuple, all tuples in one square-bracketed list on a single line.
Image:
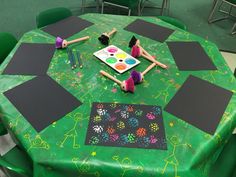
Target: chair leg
[(163, 6), (233, 31), (98, 3), (227, 12), (142, 2), (210, 19), (212, 11), (230, 11), (168, 6), (102, 7), (221, 3), (139, 7), (129, 12), (82, 6)]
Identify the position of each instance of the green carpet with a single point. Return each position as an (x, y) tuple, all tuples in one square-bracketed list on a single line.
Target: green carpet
[(18, 17)]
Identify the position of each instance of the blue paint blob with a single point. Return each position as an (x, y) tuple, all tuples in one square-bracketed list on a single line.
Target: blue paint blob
[(130, 61)]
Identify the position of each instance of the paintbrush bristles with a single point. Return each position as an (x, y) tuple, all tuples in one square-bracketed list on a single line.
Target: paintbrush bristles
[(135, 51), (58, 42), (132, 41), (129, 85), (137, 76), (104, 39)]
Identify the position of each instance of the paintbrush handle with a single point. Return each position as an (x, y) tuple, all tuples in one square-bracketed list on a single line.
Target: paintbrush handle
[(78, 40), (144, 51), (110, 77), (148, 68), (112, 32), (150, 58)]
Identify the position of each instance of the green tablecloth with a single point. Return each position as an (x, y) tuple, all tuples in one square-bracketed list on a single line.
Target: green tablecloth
[(59, 150)]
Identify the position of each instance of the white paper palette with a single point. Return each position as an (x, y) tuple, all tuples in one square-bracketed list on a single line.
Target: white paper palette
[(117, 58)]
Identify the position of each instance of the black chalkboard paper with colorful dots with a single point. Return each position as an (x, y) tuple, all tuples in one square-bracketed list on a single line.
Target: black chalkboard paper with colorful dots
[(126, 125)]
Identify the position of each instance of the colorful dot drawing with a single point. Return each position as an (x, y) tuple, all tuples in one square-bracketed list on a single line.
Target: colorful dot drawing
[(121, 55), (112, 49), (121, 126), (111, 60), (116, 58), (120, 66), (130, 61)]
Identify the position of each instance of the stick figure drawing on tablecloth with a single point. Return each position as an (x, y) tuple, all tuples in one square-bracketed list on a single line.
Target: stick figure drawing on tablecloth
[(171, 159), (126, 165), (72, 133)]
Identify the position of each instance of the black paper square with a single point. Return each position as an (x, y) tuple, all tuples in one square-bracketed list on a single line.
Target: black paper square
[(149, 30), (200, 103), (190, 56), (126, 125), (67, 27), (30, 59), (42, 101)]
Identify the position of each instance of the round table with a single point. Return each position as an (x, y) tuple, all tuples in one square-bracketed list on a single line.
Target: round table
[(60, 150)]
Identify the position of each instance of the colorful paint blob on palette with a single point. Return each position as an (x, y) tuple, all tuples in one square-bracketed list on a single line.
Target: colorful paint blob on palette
[(116, 58), (126, 125)]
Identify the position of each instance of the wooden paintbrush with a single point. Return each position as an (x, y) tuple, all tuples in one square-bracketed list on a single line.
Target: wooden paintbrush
[(127, 85), (62, 43)]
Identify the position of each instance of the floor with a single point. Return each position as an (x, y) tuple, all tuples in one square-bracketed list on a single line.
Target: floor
[(230, 58), (1, 174), (6, 144)]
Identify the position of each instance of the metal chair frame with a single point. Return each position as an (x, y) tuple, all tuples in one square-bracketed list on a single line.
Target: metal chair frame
[(117, 5), (83, 6), (228, 13), (233, 30), (165, 5)]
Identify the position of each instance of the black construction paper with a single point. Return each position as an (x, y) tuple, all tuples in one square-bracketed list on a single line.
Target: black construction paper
[(31, 59), (126, 125), (200, 103), (42, 101), (67, 27), (149, 30), (190, 56)]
